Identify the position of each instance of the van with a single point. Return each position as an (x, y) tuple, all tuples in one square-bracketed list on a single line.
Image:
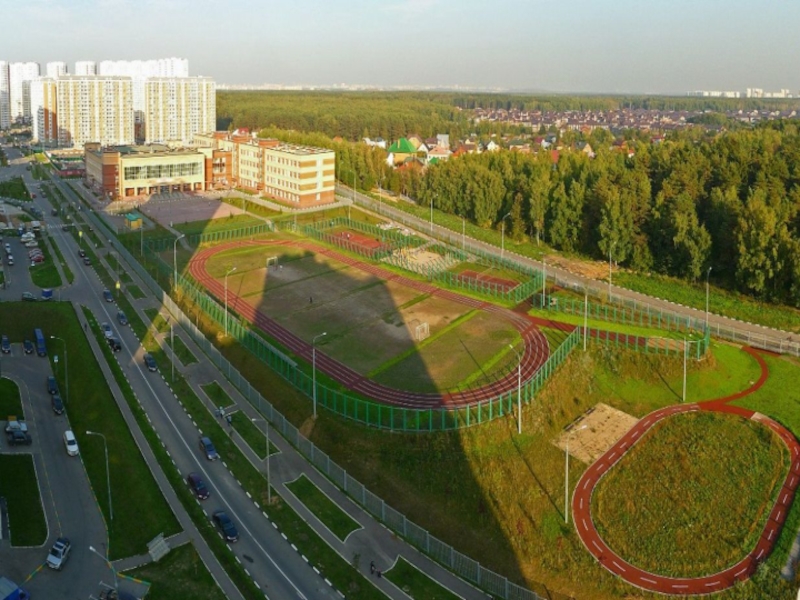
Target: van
[(41, 346)]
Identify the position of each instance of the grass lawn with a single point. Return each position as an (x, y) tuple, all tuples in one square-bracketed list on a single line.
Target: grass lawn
[(19, 487), (180, 575), (45, 274), (135, 292), (14, 188), (159, 323), (64, 267), (217, 395), (704, 507), (141, 509), (333, 517), (415, 583), (10, 400), (182, 352)]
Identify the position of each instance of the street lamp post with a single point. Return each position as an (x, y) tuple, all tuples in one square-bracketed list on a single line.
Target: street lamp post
[(66, 366), (503, 235), (380, 194), (685, 360), (226, 298), (610, 249), (708, 273), (463, 234), (266, 459), (566, 475), (431, 216), (110, 566), (544, 281), (108, 472), (175, 259), (585, 315), (519, 389), (314, 369), (172, 345)]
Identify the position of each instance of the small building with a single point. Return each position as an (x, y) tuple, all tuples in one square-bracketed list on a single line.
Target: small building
[(133, 221), (401, 150)]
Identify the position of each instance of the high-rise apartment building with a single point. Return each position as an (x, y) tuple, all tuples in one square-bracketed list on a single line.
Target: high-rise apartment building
[(5, 107), (20, 74), (85, 67), (44, 125), (56, 69), (177, 108)]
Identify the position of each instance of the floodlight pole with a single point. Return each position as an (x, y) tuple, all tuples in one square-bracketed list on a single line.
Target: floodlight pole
[(172, 345), (110, 566), (175, 260), (708, 273), (503, 235), (585, 316), (685, 358), (566, 475), (226, 299), (610, 248), (544, 281), (266, 459), (463, 235), (314, 370), (519, 389)]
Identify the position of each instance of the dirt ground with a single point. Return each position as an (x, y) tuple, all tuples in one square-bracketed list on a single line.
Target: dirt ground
[(593, 269), (604, 426)]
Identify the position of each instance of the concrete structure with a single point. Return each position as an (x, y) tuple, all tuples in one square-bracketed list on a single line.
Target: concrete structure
[(56, 69), (5, 106), (177, 108), (20, 74), (85, 67), (296, 175), (126, 171), (44, 127)]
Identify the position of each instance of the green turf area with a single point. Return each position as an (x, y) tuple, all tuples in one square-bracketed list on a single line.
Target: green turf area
[(64, 267), (222, 224), (19, 487), (182, 352), (14, 188), (45, 274), (10, 400), (135, 292), (181, 575), (252, 432), (91, 407), (333, 517), (705, 505), (416, 584)]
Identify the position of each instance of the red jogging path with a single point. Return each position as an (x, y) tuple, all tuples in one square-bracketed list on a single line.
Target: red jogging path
[(582, 501), (535, 353)]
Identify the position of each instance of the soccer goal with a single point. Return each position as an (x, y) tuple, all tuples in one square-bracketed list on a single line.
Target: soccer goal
[(272, 260), (422, 331)]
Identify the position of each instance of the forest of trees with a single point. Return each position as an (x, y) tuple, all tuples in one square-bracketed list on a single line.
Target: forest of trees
[(730, 201)]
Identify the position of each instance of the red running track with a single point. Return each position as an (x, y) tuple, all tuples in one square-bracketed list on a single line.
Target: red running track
[(535, 353), (582, 502)]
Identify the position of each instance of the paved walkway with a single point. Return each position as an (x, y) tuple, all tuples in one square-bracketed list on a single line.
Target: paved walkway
[(742, 570)]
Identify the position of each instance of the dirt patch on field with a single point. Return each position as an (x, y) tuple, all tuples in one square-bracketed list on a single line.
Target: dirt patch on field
[(593, 270), (604, 426)]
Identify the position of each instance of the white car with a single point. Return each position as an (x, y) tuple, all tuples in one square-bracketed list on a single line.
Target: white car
[(59, 554), (107, 331), (71, 443)]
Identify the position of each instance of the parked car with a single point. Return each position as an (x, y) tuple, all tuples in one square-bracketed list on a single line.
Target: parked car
[(28, 296), (57, 403), (223, 521), (121, 318), (108, 296), (18, 438), (198, 486), (71, 443), (10, 260), (32, 244), (59, 553), (52, 385), (5, 345), (107, 331), (87, 261), (150, 362), (207, 447), (82, 253), (27, 346), (114, 344)]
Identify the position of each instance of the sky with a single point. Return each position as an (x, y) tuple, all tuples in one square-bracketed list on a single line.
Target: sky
[(580, 46)]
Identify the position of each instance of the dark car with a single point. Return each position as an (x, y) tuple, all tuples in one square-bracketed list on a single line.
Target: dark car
[(27, 346), (121, 318), (82, 253), (5, 345), (114, 344), (207, 446), (58, 404), (108, 296), (87, 261), (150, 362), (198, 486), (52, 386), (224, 522), (18, 438)]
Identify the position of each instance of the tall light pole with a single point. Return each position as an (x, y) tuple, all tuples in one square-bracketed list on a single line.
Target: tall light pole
[(708, 273), (266, 459), (503, 235), (463, 234), (172, 345), (380, 194), (314, 369), (226, 299), (566, 474), (431, 216), (108, 472), (66, 366), (610, 249), (175, 259), (585, 315), (544, 280), (685, 360), (110, 566), (519, 389)]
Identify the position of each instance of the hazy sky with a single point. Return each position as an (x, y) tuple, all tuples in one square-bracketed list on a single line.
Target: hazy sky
[(648, 46)]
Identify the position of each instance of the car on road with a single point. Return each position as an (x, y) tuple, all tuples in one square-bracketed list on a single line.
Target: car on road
[(150, 362), (82, 253), (87, 261), (5, 345), (198, 486), (71, 443), (8, 248), (52, 385), (27, 346), (28, 297), (207, 447), (107, 331), (121, 318), (59, 553), (223, 521), (10, 260), (57, 403), (108, 296), (114, 344), (18, 438)]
